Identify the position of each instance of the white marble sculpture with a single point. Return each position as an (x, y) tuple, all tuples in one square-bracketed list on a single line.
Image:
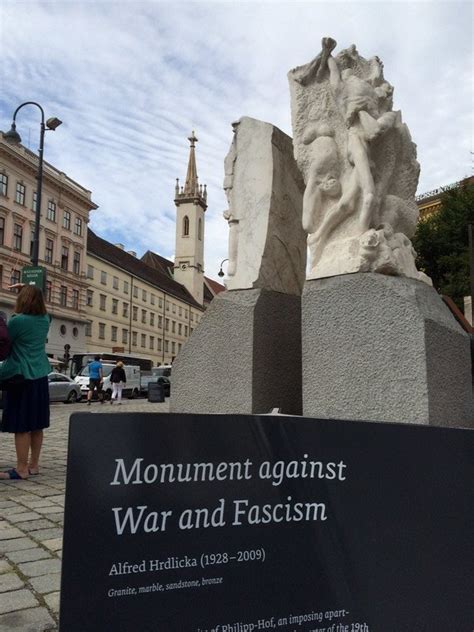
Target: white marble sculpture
[(359, 165), (264, 189)]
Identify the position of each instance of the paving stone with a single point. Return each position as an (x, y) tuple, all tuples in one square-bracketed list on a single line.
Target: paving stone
[(9, 534), (38, 502), (4, 566), (46, 583), (40, 567), (35, 525), (28, 555), (52, 601), (50, 510), (25, 517), (18, 544), (10, 581), (6, 504), (31, 620), (54, 545), (46, 534), (17, 600)]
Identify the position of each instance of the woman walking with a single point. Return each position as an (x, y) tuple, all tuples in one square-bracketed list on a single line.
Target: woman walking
[(25, 374), (118, 380)]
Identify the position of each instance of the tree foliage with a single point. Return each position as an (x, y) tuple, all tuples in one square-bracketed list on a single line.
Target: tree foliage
[(442, 243)]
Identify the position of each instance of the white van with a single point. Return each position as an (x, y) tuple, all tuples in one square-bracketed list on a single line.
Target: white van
[(132, 373)]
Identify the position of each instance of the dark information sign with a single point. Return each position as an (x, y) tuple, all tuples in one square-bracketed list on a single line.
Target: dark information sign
[(195, 523)]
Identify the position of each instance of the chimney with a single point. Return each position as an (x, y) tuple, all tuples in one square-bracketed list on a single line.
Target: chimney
[(121, 246), (132, 252)]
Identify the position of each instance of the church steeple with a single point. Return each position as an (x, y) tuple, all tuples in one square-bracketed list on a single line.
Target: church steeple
[(192, 190), (191, 204)]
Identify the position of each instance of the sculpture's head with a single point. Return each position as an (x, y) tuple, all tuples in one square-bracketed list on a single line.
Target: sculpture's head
[(330, 185), (385, 94), (376, 71)]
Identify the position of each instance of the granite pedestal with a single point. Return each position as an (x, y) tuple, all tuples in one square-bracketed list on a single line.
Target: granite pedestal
[(383, 348), (244, 357)]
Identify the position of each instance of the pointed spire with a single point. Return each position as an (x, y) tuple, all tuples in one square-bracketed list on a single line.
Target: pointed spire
[(190, 186), (191, 190)]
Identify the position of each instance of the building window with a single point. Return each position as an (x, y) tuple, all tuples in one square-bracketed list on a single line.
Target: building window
[(103, 277), (186, 331), (135, 292), (113, 334), (135, 313), (180, 329), (115, 283), (173, 326), (64, 258), (134, 338), (143, 315), (90, 272), (173, 348), (78, 227), (160, 322), (15, 278), (143, 340), (2, 230), (185, 226), (124, 336), (144, 295), (200, 229), (180, 311), (32, 242), (63, 296), (152, 299), (152, 342), (20, 193), (114, 306), (158, 344), (88, 331), (67, 220), (34, 200), (76, 263), (102, 331), (160, 302), (103, 302), (75, 299), (179, 347), (51, 212), (89, 298), (3, 184), (125, 287), (173, 308), (167, 346), (152, 319), (48, 252), (167, 307), (17, 236), (125, 310), (49, 291), (167, 324)]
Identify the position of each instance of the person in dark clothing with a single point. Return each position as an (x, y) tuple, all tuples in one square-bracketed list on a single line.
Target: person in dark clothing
[(118, 379)]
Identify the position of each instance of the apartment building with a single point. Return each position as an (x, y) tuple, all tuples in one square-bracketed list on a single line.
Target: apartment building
[(62, 242)]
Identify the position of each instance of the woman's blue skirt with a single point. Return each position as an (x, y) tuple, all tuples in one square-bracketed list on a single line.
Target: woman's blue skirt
[(26, 406)]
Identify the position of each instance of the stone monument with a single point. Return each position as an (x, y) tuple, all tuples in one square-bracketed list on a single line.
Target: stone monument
[(245, 355), (378, 342)]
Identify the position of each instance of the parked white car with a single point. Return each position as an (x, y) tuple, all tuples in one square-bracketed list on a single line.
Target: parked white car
[(132, 373)]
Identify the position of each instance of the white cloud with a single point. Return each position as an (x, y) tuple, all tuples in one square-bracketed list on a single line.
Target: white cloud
[(130, 80)]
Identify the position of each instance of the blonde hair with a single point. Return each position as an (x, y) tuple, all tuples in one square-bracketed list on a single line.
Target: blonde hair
[(120, 364)]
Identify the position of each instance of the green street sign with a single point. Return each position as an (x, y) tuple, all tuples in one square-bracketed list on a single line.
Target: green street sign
[(34, 275)]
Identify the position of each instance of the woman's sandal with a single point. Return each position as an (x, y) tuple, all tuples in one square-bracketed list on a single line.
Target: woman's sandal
[(12, 476)]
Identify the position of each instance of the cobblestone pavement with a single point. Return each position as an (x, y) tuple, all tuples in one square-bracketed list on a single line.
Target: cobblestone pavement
[(31, 525)]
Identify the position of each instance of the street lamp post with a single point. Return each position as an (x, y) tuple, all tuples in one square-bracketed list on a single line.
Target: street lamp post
[(14, 137), (221, 271)]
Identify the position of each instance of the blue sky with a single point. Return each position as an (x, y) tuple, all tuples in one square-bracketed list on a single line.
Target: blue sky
[(130, 80)]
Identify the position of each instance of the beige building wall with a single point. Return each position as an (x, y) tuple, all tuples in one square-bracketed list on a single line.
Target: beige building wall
[(62, 246), (129, 315)]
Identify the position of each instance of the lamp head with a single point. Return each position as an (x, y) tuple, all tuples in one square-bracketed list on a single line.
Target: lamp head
[(52, 123), (12, 136), (220, 273)]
